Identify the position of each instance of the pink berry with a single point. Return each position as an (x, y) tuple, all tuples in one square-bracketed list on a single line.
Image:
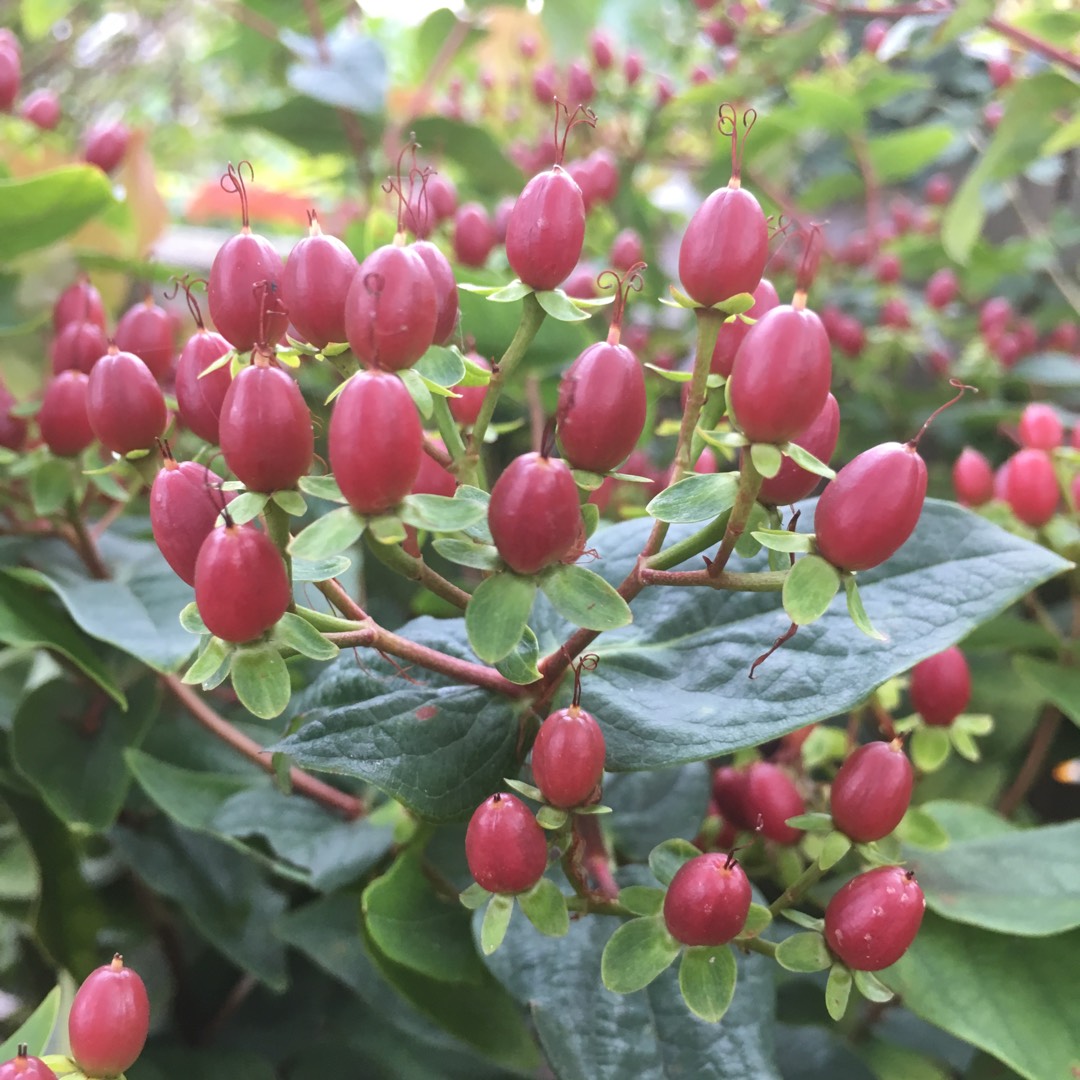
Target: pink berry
[(732, 334), (1040, 427), (504, 846), (62, 419), (1031, 487), (872, 791), (315, 284), (793, 482), (941, 687), (106, 144), (124, 403), (772, 798), (942, 288), (474, 235), (938, 189), (708, 900), (874, 33), (873, 919), (973, 478), (568, 757), (42, 109), (546, 229), (109, 1020)]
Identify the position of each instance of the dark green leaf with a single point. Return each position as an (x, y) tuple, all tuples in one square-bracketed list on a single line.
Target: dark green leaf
[(39, 210), (261, 680), (498, 613), (700, 497), (472, 147), (637, 953), (329, 535), (707, 981), (584, 598), (809, 589), (650, 807), (1052, 682), (545, 907), (309, 125), (803, 952)]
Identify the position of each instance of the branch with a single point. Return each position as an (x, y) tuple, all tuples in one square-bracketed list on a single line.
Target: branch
[(1045, 733), (401, 562), (745, 498), (326, 796), (768, 581), (1035, 44)]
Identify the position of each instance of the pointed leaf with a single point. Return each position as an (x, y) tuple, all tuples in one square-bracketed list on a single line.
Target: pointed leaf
[(838, 991), (636, 954), (498, 613), (545, 907), (700, 497), (805, 460), (248, 506), (804, 952), (419, 392), (468, 553), (871, 987), (929, 748), (261, 681), (191, 620), (496, 922), (560, 306), (329, 535), (767, 459), (809, 589), (520, 665), (858, 612), (208, 662), (584, 598), (300, 635), (784, 540), (707, 981), (475, 896), (507, 294)]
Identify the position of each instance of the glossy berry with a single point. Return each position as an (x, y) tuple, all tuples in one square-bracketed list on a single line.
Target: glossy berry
[(872, 791), (568, 757), (1031, 487), (602, 405), (124, 403), (732, 334), (941, 687), (546, 229), (465, 408), (106, 145), (942, 288), (780, 378), (392, 309), (534, 512), (724, 248), (265, 429), (184, 504), (708, 900), (873, 919), (79, 302), (199, 397), (474, 235), (244, 291), (147, 331), (315, 283), (446, 291), (504, 846), (793, 482), (78, 346), (771, 798), (729, 793), (973, 478), (25, 1067), (1040, 427), (241, 585), (376, 442), (872, 506), (41, 108), (12, 428), (62, 418), (109, 1020), (10, 77)]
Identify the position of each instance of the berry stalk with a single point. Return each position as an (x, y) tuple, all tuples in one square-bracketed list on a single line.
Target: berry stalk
[(797, 889), (401, 562), (749, 486), (277, 528), (449, 431), (708, 330)]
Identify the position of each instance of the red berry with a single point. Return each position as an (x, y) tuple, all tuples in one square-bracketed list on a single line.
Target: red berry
[(446, 291), (995, 315), (1065, 336), (546, 229), (147, 331), (1040, 427), (241, 585), (432, 478), (872, 506), (993, 114), (942, 288), (79, 302), (391, 312), (626, 249), (376, 441), (184, 504), (62, 418), (888, 269), (10, 78), (873, 919), (729, 792), (580, 88), (1000, 72), (633, 67), (12, 428), (939, 189), (721, 33), (874, 33), (850, 337), (941, 687), (199, 397), (466, 407), (534, 512), (42, 109), (894, 313), (732, 334), (244, 292), (973, 478), (265, 429), (25, 1067), (708, 900), (793, 482), (504, 846), (106, 145), (568, 757), (772, 798), (109, 1020), (1031, 487), (724, 248), (872, 791), (124, 403), (474, 235), (602, 405), (602, 51), (315, 284), (780, 378), (543, 85), (78, 346)]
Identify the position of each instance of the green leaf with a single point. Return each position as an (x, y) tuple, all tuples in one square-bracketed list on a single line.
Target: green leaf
[(929, 748), (658, 805), (871, 987), (900, 155), (559, 306), (36, 1030), (520, 665), (28, 622), (809, 589), (300, 635), (665, 859), (320, 569), (442, 366), (386, 529), (498, 613), (248, 506), (51, 486), (329, 535), (473, 147), (261, 681), (642, 899), (475, 896), (707, 981), (758, 919), (438, 513), (307, 124), (858, 612), (71, 748), (636, 954), (292, 502), (819, 823), (804, 952), (783, 540), (468, 553), (321, 487), (348, 72), (208, 663), (838, 991), (191, 620), (545, 907), (416, 928), (419, 391), (767, 459), (551, 817), (1028, 1018), (496, 923), (919, 828), (1052, 682), (700, 497), (805, 460), (39, 210), (836, 846), (584, 598)]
